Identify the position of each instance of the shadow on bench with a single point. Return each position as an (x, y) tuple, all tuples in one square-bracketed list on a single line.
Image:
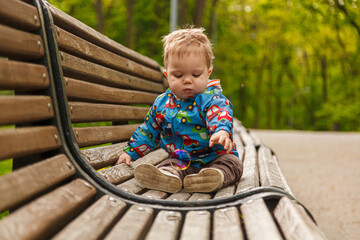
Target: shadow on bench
[(63, 186)]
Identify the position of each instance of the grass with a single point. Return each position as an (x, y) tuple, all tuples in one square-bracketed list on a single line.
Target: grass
[(5, 168)]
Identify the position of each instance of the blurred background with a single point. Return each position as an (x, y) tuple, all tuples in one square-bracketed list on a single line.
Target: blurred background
[(284, 64)]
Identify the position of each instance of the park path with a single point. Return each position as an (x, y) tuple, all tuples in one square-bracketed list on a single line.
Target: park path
[(323, 171)]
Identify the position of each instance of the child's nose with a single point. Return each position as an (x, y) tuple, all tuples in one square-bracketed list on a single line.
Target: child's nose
[(187, 79)]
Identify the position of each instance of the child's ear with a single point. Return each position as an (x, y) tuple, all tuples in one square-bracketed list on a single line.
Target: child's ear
[(165, 72), (210, 71)]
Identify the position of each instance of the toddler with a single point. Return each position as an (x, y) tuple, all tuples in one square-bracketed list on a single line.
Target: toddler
[(192, 115)]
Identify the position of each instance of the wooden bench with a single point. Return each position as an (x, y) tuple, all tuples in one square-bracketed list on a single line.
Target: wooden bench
[(64, 74)]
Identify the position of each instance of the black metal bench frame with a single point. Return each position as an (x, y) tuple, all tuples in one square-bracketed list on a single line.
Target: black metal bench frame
[(84, 170)]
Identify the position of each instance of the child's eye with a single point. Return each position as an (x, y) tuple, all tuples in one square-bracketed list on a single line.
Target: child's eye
[(196, 75), (178, 76)]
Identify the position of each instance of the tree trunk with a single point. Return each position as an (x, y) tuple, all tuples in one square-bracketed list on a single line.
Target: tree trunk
[(100, 16), (182, 13), (269, 96), (199, 12), (258, 91), (212, 23), (324, 77), (130, 26)]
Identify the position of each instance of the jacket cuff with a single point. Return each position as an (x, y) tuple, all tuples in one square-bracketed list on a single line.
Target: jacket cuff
[(131, 152)]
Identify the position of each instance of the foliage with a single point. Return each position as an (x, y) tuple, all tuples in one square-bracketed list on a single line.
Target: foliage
[(284, 64)]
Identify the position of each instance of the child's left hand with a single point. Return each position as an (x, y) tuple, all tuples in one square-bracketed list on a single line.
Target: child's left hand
[(222, 137)]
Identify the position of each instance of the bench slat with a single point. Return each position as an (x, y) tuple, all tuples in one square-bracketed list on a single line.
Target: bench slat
[(27, 182), (196, 226), (30, 140), (22, 76), (22, 109), (155, 194), (199, 197), (226, 224), (259, 224), (19, 15), (294, 221), (133, 225), (179, 196), (95, 221), (81, 48), (131, 186), (80, 29), (81, 69), (225, 192), (250, 177), (269, 171), (90, 136), (83, 91), (122, 172), (43, 217), (166, 226), (90, 112), (19, 44), (283, 179), (100, 157)]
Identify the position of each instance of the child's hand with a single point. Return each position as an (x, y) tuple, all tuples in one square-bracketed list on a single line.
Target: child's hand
[(222, 137), (124, 158)]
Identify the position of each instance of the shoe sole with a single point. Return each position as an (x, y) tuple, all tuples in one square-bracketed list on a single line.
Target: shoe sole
[(152, 178), (208, 180)]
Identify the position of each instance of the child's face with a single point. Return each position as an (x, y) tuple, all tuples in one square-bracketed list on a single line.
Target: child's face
[(187, 75)]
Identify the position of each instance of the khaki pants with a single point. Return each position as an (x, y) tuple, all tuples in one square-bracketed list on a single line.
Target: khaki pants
[(229, 164)]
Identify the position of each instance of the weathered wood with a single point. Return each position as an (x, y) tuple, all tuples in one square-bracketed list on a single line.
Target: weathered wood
[(90, 136), (27, 182), (166, 226), (259, 224), (196, 226), (43, 217), (90, 112), (131, 186), (22, 109), (225, 192), (100, 157), (269, 171), (245, 137), (22, 76), (179, 196), (283, 179), (30, 140), (18, 44), (83, 91), (250, 177), (133, 225), (122, 172), (199, 197), (227, 225), (81, 48), (155, 194), (81, 69), (95, 221), (80, 29), (294, 221), (19, 15), (255, 138)]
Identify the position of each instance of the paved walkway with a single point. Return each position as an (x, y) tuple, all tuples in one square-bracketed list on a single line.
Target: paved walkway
[(323, 171)]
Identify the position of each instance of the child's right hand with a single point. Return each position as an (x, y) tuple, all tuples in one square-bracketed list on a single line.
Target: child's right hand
[(124, 158)]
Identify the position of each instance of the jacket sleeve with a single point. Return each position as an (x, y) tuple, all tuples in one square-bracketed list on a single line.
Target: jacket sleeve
[(146, 137), (219, 113)]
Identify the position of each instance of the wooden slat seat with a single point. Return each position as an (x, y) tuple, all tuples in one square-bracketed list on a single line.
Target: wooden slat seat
[(76, 97)]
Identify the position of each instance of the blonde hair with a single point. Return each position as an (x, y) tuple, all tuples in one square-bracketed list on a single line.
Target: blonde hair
[(183, 41)]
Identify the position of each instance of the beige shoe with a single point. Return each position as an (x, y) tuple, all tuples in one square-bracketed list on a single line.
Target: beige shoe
[(151, 177), (207, 180)]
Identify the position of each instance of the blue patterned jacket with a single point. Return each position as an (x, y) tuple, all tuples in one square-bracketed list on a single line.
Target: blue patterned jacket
[(188, 124)]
